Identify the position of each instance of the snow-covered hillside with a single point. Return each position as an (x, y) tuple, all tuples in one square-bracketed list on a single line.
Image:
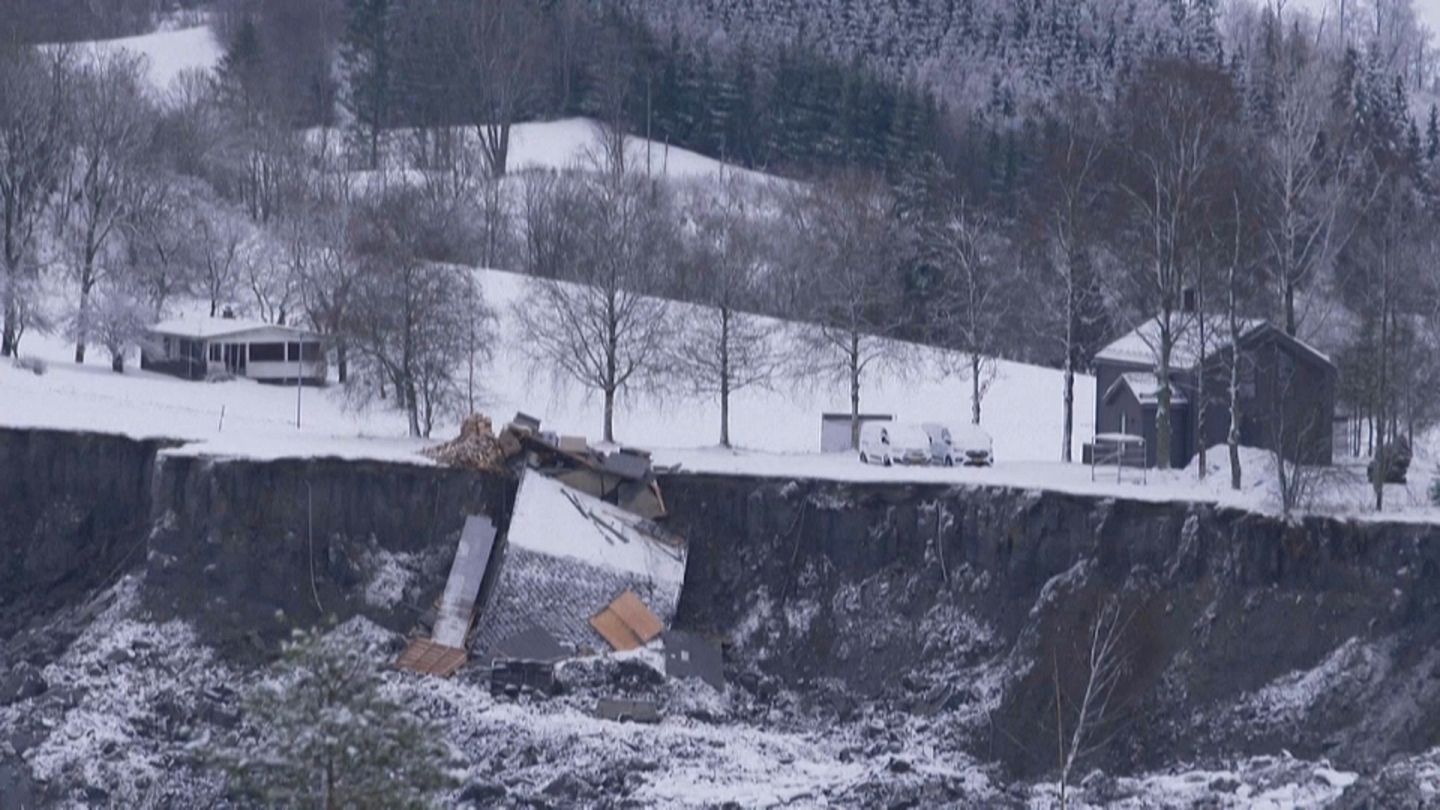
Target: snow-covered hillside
[(1022, 409), (167, 53)]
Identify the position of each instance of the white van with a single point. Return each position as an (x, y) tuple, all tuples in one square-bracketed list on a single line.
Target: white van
[(967, 445), (893, 443)]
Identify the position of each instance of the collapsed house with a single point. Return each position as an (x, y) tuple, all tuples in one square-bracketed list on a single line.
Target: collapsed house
[(584, 566)]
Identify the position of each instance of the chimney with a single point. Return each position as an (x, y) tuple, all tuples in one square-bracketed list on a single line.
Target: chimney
[(1188, 300)]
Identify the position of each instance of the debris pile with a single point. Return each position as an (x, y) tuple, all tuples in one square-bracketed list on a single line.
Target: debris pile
[(476, 447), (584, 565)]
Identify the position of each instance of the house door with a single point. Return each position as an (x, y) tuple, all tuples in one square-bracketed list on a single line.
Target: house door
[(235, 358)]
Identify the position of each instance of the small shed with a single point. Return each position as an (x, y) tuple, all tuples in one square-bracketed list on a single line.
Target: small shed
[(193, 348), (835, 430)]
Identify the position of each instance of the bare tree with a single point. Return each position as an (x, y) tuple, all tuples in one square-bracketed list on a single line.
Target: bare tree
[(499, 62), (159, 240), (112, 129), (119, 321), (846, 229), (553, 206), (972, 302), (223, 243), (596, 327), (34, 132), (413, 319), (1072, 190), (328, 279), (1304, 180), (1091, 712), (1177, 143), (721, 347)]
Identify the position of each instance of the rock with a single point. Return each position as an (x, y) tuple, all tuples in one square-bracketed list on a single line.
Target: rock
[(900, 765), (568, 786), (482, 794), (23, 682), (95, 794), (1225, 784)]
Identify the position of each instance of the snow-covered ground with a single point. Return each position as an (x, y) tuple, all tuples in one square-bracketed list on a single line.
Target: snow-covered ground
[(167, 53), (132, 705), (777, 432), (1022, 408)]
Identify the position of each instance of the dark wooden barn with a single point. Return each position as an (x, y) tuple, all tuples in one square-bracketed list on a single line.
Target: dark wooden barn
[(1287, 390)]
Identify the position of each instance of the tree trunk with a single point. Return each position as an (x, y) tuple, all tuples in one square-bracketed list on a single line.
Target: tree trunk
[(1290, 323), (724, 377), (1067, 415), (854, 391), (974, 388), (342, 362), (1232, 437), (609, 414), (82, 317), (1162, 409), (8, 335), (117, 362)]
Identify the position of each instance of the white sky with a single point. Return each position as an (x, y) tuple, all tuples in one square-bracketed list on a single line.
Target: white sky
[(1429, 10)]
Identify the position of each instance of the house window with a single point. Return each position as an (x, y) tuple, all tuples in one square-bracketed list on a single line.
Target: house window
[(267, 352), (292, 352), (214, 352), (1124, 422)]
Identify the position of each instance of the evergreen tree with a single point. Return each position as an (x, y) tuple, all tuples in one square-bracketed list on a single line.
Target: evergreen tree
[(321, 734), (1432, 135), (367, 59)]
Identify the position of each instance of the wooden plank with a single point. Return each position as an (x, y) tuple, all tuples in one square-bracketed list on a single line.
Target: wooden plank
[(428, 658), (614, 630), (645, 624)]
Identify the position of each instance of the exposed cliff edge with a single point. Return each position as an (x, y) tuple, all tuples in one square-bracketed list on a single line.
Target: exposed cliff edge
[(1243, 634)]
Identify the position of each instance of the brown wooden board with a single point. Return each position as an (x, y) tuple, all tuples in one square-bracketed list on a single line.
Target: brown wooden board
[(637, 617), (614, 630), (427, 657)]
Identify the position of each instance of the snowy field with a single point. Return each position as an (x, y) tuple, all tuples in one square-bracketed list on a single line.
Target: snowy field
[(1022, 408), (776, 432), (167, 53)]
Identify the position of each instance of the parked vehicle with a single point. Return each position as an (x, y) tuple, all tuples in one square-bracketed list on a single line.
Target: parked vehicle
[(890, 443), (967, 446)]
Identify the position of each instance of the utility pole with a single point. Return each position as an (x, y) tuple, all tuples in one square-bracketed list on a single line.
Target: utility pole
[(299, 377)]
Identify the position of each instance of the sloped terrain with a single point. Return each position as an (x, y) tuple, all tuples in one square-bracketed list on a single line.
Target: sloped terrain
[(886, 645)]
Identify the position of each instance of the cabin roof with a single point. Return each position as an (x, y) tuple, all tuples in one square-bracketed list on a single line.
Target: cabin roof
[(1146, 388), (1141, 345), (220, 327)]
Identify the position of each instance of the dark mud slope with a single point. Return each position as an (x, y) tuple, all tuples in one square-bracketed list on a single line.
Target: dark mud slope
[(1241, 633), (74, 512), (248, 549)]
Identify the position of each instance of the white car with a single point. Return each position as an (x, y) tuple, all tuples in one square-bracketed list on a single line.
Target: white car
[(967, 446), (890, 443)]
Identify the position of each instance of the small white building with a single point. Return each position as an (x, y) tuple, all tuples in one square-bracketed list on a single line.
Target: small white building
[(193, 348)]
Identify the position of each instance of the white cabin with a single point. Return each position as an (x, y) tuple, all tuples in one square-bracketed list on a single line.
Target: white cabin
[(194, 348)]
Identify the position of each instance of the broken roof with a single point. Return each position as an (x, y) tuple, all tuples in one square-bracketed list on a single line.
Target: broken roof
[(551, 518)]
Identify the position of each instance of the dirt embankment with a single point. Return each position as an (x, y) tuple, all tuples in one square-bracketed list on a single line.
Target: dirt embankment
[(1239, 633)]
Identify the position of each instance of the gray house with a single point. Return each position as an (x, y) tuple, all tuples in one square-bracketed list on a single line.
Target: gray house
[(1287, 390)]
